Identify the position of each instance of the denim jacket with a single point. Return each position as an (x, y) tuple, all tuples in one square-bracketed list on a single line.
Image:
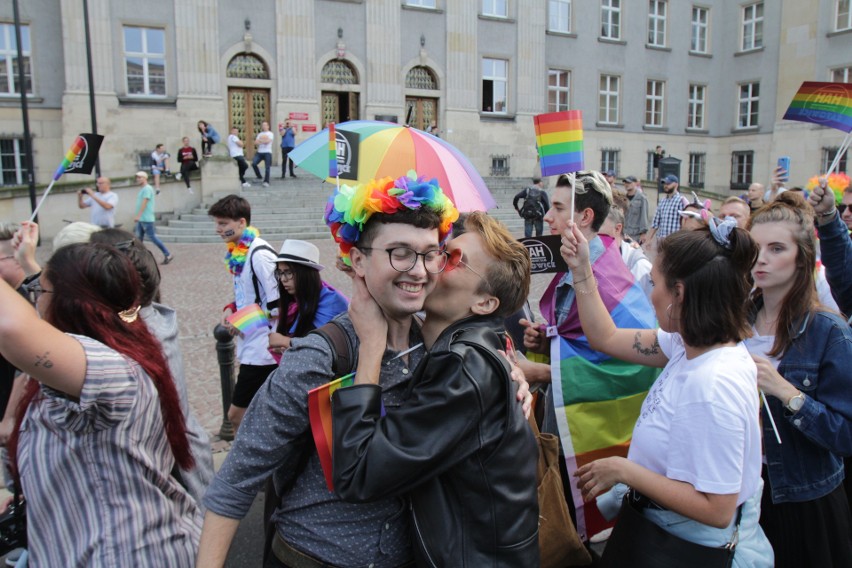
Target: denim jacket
[(809, 462), (836, 251)]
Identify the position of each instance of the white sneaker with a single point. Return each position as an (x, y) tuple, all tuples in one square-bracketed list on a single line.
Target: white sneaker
[(246, 184), (265, 184), (189, 189), (178, 176)]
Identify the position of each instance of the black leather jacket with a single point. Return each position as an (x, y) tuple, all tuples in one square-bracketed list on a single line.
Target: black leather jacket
[(459, 446)]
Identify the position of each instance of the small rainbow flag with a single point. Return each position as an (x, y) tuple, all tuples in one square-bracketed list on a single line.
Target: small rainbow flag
[(559, 136), (319, 411), (825, 104), (332, 151), (249, 319), (73, 151)]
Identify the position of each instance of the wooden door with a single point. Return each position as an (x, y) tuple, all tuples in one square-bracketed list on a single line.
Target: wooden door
[(423, 111), (248, 108)]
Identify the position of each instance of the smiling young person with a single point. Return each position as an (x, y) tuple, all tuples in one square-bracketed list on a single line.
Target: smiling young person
[(803, 353), (459, 444)]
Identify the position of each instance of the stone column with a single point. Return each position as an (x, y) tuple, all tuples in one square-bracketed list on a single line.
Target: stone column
[(530, 65), (297, 57), (384, 69), (463, 68), (101, 33), (197, 48)]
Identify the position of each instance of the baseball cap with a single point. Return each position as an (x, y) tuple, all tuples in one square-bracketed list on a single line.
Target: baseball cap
[(630, 179), (610, 173), (671, 178)]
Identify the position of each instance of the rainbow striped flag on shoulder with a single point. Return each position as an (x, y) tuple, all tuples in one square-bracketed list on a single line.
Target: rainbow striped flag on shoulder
[(598, 398)]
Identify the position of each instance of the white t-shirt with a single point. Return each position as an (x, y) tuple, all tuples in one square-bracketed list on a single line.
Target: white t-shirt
[(100, 216), (234, 149), (253, 349), (265, 148), (699, 422)]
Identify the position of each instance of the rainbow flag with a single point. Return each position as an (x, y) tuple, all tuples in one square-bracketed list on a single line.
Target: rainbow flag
[(332, 151), (559, 136), (598, 398), (825, 104), (249, 319), (319, 412), (81, 156)]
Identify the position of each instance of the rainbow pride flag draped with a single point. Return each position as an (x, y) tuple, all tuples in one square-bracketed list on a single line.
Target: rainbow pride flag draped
[(559, 137), (249, 319), (332, 151), (597, 398), (319, 412), (825, 104)]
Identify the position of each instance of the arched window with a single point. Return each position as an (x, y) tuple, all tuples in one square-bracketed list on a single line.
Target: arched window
[(247, 66), (421, 78), (339, 72)]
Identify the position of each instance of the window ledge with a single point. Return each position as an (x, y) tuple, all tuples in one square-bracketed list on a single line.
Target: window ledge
[(602, 39), (496, 117), (422, 9), (749, 51), (124, 100), (702, 131), (608, 125), (653, 47), (504, 19), (701, 54), (836, 33), (651, 128), (16, 99), (745, 130), (560, 34)]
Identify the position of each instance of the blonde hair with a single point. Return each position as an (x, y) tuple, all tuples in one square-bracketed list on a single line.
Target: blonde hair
[(78, 232)]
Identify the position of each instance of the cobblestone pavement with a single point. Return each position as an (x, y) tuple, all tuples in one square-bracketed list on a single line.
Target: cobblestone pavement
[(197, 284)]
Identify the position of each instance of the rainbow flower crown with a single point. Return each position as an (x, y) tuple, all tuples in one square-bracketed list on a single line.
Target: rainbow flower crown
[(836, 182), (350, 207)]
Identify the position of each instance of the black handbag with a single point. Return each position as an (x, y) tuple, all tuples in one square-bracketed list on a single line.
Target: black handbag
[(638, 542), (13, 526)]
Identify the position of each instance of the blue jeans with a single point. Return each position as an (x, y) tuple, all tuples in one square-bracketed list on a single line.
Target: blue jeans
[(267, 159), (528, 227), (147, 228)]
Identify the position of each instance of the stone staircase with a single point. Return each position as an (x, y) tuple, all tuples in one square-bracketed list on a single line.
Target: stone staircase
[(293, 208)]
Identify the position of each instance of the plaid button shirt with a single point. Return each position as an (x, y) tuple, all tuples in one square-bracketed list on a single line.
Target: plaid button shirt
[(667, 218)]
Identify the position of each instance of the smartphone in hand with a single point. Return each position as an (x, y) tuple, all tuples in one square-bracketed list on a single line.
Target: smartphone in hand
[(784, 164)]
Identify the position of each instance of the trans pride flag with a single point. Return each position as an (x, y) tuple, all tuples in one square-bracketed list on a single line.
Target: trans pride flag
[(597, 398)]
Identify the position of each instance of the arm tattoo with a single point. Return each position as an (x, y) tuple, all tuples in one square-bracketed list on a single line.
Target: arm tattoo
[(44, 361), (647, 351)]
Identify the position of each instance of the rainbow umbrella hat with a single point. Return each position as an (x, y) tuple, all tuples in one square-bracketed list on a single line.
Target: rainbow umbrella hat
[(386, 149)]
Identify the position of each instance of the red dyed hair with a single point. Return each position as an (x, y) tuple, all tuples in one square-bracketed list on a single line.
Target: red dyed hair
[(97, 281)]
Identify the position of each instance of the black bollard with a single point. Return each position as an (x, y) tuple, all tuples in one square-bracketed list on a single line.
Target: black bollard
[(225, 354)]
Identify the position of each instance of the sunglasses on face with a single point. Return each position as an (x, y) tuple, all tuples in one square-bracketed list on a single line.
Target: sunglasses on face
[(841, 209)]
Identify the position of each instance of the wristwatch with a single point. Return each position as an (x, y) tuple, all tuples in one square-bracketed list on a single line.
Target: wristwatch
[(795, 403)]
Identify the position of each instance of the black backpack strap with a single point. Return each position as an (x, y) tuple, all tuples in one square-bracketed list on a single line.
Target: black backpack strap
[(254, 281), (342, 350)]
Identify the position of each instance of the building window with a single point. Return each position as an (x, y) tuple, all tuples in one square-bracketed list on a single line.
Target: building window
[(655, 97), (696, 169), (657, 23), (841, 75), (700, 22), (421, 78), (844, 15), (13, 161), (494, 85), (742, 166), (748, 105), (145, 61), (9, 59), (421, 3), (828, 155), (610, 159), (338, 72), (608, 99), (559, 16), (649, 164), (611, 19), (495, 8), (558, 90), (499, 165), (247, 66), (753, 26), (695, 107)]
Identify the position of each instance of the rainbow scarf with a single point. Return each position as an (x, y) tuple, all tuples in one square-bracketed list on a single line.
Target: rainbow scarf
[(237, 253), (597, 398)]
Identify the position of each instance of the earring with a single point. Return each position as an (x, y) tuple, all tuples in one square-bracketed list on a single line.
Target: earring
[(669, 311)]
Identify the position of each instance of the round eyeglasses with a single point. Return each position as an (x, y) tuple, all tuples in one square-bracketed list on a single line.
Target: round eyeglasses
[(283, 275), (403, 259)]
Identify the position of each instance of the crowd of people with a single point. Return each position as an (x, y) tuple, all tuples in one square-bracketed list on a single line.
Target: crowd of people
[(737, 449)]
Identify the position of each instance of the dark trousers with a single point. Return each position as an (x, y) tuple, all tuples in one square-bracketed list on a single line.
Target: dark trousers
[(528, 227), (243, 166), (185, 168), (285, 153), (206, 146), (267, 160)]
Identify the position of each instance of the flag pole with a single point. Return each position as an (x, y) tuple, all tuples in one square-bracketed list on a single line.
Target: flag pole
[(41, 201), (572, 178)]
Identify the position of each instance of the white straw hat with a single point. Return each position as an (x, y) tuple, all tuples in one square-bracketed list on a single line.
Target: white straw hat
[(300, 252)]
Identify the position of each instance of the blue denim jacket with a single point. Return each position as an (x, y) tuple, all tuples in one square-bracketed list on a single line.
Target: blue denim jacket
[(809, 462), (836, 251)]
